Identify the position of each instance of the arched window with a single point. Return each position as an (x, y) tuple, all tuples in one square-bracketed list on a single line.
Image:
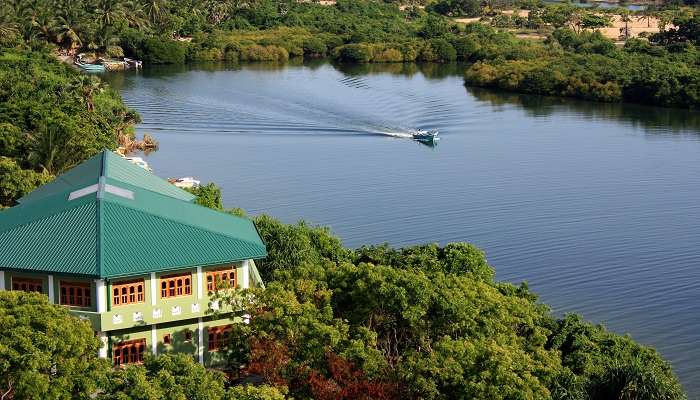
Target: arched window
[(128, 292), (177, 285)]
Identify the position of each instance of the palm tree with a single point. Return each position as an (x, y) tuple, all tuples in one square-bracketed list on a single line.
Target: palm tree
[(67, 30), (109, 12), (87, 86), (47, 145), (625, 17), (155, 9), (44, 23), (8, 27), (648, 13)]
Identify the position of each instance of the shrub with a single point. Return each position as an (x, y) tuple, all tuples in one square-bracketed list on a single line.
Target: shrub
[(257, 52), (114, 52), (358, 53), (162, 51), (388, 55), (314, 46), (443, 50)]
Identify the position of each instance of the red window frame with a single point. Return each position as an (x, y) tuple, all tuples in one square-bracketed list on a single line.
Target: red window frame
[(218, 336), (27, 284), (228, 276), (75, 294), (128, 352), (128, 292), (175, 285)]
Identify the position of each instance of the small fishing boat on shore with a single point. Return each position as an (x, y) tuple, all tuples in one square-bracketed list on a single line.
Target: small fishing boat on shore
[(91, 67), (425, 136), (187, 182)]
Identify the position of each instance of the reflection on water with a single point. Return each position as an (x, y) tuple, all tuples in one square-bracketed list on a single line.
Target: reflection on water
[(653, 119), (594, 204)]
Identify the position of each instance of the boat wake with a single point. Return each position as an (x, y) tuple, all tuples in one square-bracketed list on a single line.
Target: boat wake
[(404, 135)]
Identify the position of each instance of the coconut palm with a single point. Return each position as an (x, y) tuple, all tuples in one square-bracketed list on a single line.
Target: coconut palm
[(8, 27), (87, 86), (155, 10), (109, 12)]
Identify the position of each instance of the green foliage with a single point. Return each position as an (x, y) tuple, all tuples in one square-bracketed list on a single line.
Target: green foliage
[(168, 376), (208, 195), (249, 392), (468, 8), (44, 352), (16, 182), (160, 51), (51, 118), (589, 66), (355, 53), (423, 322)]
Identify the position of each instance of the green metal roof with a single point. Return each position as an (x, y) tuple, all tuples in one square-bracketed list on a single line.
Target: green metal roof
[(115, 229), (108, 164)]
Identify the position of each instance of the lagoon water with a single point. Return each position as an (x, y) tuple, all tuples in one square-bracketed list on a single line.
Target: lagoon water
[(595, 205)]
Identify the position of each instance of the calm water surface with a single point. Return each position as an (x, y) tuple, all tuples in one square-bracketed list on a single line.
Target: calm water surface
[(596, 206)]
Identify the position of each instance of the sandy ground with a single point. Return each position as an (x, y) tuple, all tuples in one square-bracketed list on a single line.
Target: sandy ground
[(636, 26)]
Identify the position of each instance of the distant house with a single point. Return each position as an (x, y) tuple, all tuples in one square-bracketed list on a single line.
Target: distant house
[(132, 254)]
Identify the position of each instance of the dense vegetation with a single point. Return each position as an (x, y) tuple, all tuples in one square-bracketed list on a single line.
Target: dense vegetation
[(333, 323), (665, 71), (420, 322), (573, 61), (51, 117)]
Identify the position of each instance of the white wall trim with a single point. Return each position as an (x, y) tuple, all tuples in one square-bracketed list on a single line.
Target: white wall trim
[(200, 340), (154, 339), (103, 349), (52, 299), (101, 295), (154, 289), (199, 282), (245, 279), (2, 280)]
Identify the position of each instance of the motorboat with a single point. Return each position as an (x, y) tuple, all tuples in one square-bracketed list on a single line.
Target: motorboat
[(425, 136)]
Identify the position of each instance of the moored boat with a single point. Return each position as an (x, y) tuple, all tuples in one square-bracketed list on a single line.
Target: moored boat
[(185, 183), (91, 67)]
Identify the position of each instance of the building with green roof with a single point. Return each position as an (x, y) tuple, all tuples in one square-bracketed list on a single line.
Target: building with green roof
[(133, 254)]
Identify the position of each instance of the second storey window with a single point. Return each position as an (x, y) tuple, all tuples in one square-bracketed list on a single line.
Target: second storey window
[(224, 277), (76, 294), (175, 285), (27, 284), (131, 292)]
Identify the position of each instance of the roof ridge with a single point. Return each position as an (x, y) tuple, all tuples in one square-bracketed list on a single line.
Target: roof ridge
[(98, 235)]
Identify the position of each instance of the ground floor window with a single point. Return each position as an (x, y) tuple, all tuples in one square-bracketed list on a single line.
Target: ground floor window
[(128, 352), (76, 294), (218, 337), (27, 284)]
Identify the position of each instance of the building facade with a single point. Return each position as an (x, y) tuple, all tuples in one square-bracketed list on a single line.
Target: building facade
[(132, 254)]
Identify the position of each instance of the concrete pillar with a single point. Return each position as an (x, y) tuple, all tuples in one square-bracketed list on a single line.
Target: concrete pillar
[(245, 279), (154, 289), (200, 282), (103, 349), (200, 340), (52, 299), (101, 295), (2, 280), (154, 340)]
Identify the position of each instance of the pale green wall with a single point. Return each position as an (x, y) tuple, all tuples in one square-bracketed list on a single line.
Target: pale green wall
[(178, 344)]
